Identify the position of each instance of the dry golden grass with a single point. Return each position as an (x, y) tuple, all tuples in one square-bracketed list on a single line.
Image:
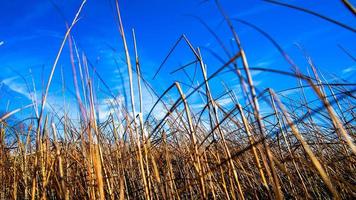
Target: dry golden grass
[(236, 153)]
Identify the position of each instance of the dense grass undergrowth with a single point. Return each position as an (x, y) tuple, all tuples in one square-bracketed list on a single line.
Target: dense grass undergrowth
[(301, 148)]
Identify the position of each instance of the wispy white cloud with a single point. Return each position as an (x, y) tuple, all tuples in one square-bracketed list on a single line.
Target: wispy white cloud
[(2, 43), (253, 11), (16, 85), (289, 92), (257, 82), (225, 101), (348, 70), (262, 64), (109, 106)]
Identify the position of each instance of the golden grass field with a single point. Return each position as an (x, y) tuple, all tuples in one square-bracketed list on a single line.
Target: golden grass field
[(210, 153)]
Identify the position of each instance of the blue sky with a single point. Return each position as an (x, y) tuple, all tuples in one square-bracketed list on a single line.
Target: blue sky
[(31, 32)]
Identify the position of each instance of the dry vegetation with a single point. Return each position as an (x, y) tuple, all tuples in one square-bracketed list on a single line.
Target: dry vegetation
[(303, 148)]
